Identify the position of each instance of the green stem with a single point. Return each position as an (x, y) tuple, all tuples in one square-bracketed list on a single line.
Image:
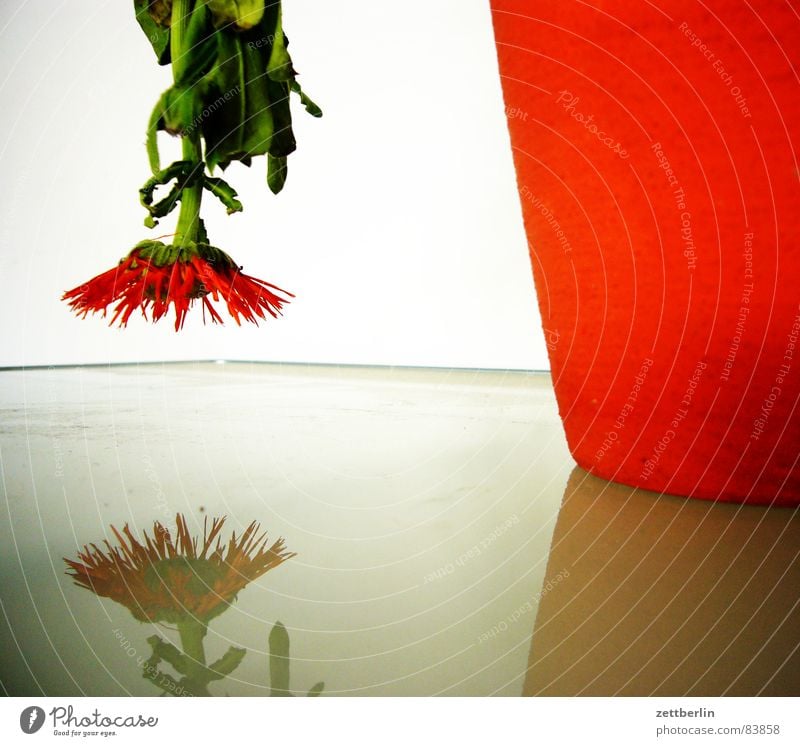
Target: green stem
[(191, 197), (192, 634)]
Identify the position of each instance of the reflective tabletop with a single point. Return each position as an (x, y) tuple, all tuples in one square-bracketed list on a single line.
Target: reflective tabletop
[(438, 539)]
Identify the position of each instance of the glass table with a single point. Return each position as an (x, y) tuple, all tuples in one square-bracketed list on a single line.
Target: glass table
[(446, 543)]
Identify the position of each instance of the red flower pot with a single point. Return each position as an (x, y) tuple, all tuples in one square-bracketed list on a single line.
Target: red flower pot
[(654, 146)]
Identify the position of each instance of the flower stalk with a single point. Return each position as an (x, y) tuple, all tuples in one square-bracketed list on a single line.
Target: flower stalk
[(192, 195), (192, 633)]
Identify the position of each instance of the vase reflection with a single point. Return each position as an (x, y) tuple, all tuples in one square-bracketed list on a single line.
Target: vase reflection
[(667, 597)]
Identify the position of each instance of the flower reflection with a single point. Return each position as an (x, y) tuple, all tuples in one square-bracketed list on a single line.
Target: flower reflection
[(187, 582), (166, 580)]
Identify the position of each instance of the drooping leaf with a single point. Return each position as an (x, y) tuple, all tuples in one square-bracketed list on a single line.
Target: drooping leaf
[(277, 171), (232, 83), (244, 14), (179, 111), (201, 49), (155, 124), (311, 107), (183, 173), (161, 11), (279, 67), (283, 142), (224, 192), (245, 107), (182, 107), (157, 34), (241, 126)]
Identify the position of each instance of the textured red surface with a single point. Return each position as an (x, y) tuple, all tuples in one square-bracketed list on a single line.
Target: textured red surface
[(655, 148)]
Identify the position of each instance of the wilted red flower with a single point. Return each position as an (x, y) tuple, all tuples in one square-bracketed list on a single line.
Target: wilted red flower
[(165, 581), (155, 275)]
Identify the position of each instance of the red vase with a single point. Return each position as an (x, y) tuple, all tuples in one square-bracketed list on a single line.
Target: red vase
[(654, 145)]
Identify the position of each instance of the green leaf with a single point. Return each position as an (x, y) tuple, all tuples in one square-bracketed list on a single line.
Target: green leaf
[(244, 111), (283, 142), (153, 126), (277, 170), (311, 107), (239, 124), (244, 14), (279, 67), (181, 111), (183, 172), (161, 11), (224, 192), (201, 49), (163, 207), (233, 83), (156, 34), (316, 690)]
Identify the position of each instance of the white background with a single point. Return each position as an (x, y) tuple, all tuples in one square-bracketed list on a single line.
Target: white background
[(399, 229)]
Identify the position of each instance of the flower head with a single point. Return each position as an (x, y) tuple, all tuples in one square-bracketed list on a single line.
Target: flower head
[(155, 275), (161, 580)]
